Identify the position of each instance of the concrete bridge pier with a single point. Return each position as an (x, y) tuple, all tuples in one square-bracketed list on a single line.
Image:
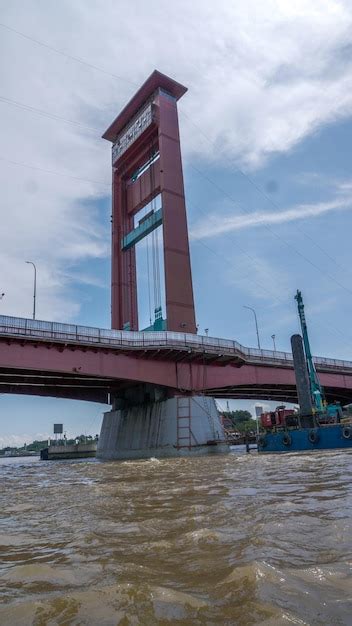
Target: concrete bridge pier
[(161, 427)]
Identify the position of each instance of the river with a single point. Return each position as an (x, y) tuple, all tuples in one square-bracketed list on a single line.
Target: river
[(234, 539)]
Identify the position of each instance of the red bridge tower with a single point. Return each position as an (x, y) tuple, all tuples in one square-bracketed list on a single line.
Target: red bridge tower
[(146, 163)]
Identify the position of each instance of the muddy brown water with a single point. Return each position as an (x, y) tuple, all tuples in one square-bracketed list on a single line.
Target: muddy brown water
[(232, 539)]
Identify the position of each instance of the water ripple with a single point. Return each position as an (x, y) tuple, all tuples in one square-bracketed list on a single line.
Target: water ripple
[(231, 539)]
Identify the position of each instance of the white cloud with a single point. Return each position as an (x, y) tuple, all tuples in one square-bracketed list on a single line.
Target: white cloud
[(217, 226), (20, 440), (261, 77), (259, 277)]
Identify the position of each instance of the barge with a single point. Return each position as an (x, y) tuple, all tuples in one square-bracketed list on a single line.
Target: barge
[(74, 451), (317, 424)]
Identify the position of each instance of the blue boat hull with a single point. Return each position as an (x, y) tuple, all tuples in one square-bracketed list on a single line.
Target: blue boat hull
[(325, 438)]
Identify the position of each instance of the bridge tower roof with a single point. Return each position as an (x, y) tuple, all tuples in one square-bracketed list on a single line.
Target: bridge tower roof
[(156, 80)]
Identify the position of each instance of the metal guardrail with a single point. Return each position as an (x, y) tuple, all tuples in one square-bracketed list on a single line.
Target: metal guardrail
[(18, 326)]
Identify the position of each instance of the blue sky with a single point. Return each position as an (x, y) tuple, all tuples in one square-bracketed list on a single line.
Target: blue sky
[(266, 132)]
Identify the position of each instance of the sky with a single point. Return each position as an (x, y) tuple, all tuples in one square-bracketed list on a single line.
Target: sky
[(266, 131)]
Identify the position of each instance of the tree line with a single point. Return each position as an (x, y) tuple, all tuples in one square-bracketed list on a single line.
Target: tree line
[(242, 420)]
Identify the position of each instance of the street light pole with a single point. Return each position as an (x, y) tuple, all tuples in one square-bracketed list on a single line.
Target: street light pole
[(34, 286), (256, 322), (273, 338)]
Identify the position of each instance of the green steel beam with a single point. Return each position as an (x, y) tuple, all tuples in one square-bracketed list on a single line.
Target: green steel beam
[(144, 228)]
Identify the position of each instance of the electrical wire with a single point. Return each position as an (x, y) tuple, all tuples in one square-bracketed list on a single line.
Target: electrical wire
[(220, 189), (56, 117), (267, 227), (82, 61), (93, 422), (331, 329), (154, 272), (255, 83), (248, 178), (31, 109), (54, 173), (148, 272), (158, 269), (238, 247), (264, 194), (102, 70), (155, 243), (62, 53)]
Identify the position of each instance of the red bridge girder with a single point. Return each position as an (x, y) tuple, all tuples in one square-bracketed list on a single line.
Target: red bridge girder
[(91, 373)]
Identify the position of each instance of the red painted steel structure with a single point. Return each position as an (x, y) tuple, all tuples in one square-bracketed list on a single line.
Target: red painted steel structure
[(145, 139), (79, 371), (146, 134)]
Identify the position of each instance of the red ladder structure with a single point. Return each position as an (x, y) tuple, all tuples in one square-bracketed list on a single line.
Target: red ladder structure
[(183, 421)]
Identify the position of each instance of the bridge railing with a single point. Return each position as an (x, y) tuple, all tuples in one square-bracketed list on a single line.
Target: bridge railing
[(17, 326)]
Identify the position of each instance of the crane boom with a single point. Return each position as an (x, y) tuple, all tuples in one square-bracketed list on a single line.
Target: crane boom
[(315, 386)]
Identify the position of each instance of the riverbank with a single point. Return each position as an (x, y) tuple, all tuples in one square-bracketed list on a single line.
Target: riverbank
[(18, 454)]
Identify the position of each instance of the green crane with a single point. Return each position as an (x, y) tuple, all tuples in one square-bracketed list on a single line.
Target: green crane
[(315, 386)]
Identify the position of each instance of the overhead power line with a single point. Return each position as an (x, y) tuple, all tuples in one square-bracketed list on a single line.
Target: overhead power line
[(333, 330), (47, 114), (264, 194), (276, 235), (65, 54), (102, 70), (242, 250), (41, 169)]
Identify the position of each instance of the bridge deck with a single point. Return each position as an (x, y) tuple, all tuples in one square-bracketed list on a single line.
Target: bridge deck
[(162, 342), (66, 360)]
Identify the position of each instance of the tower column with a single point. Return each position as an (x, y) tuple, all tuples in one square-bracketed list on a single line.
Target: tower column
[(124, 309), (146, 161), (180, 312), (147, 164)]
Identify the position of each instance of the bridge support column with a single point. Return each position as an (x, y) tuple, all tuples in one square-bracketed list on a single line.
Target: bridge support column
[(178, 426)]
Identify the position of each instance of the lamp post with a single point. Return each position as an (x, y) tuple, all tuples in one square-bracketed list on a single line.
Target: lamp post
[(256, 322), (273, 338), (34, 286)]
